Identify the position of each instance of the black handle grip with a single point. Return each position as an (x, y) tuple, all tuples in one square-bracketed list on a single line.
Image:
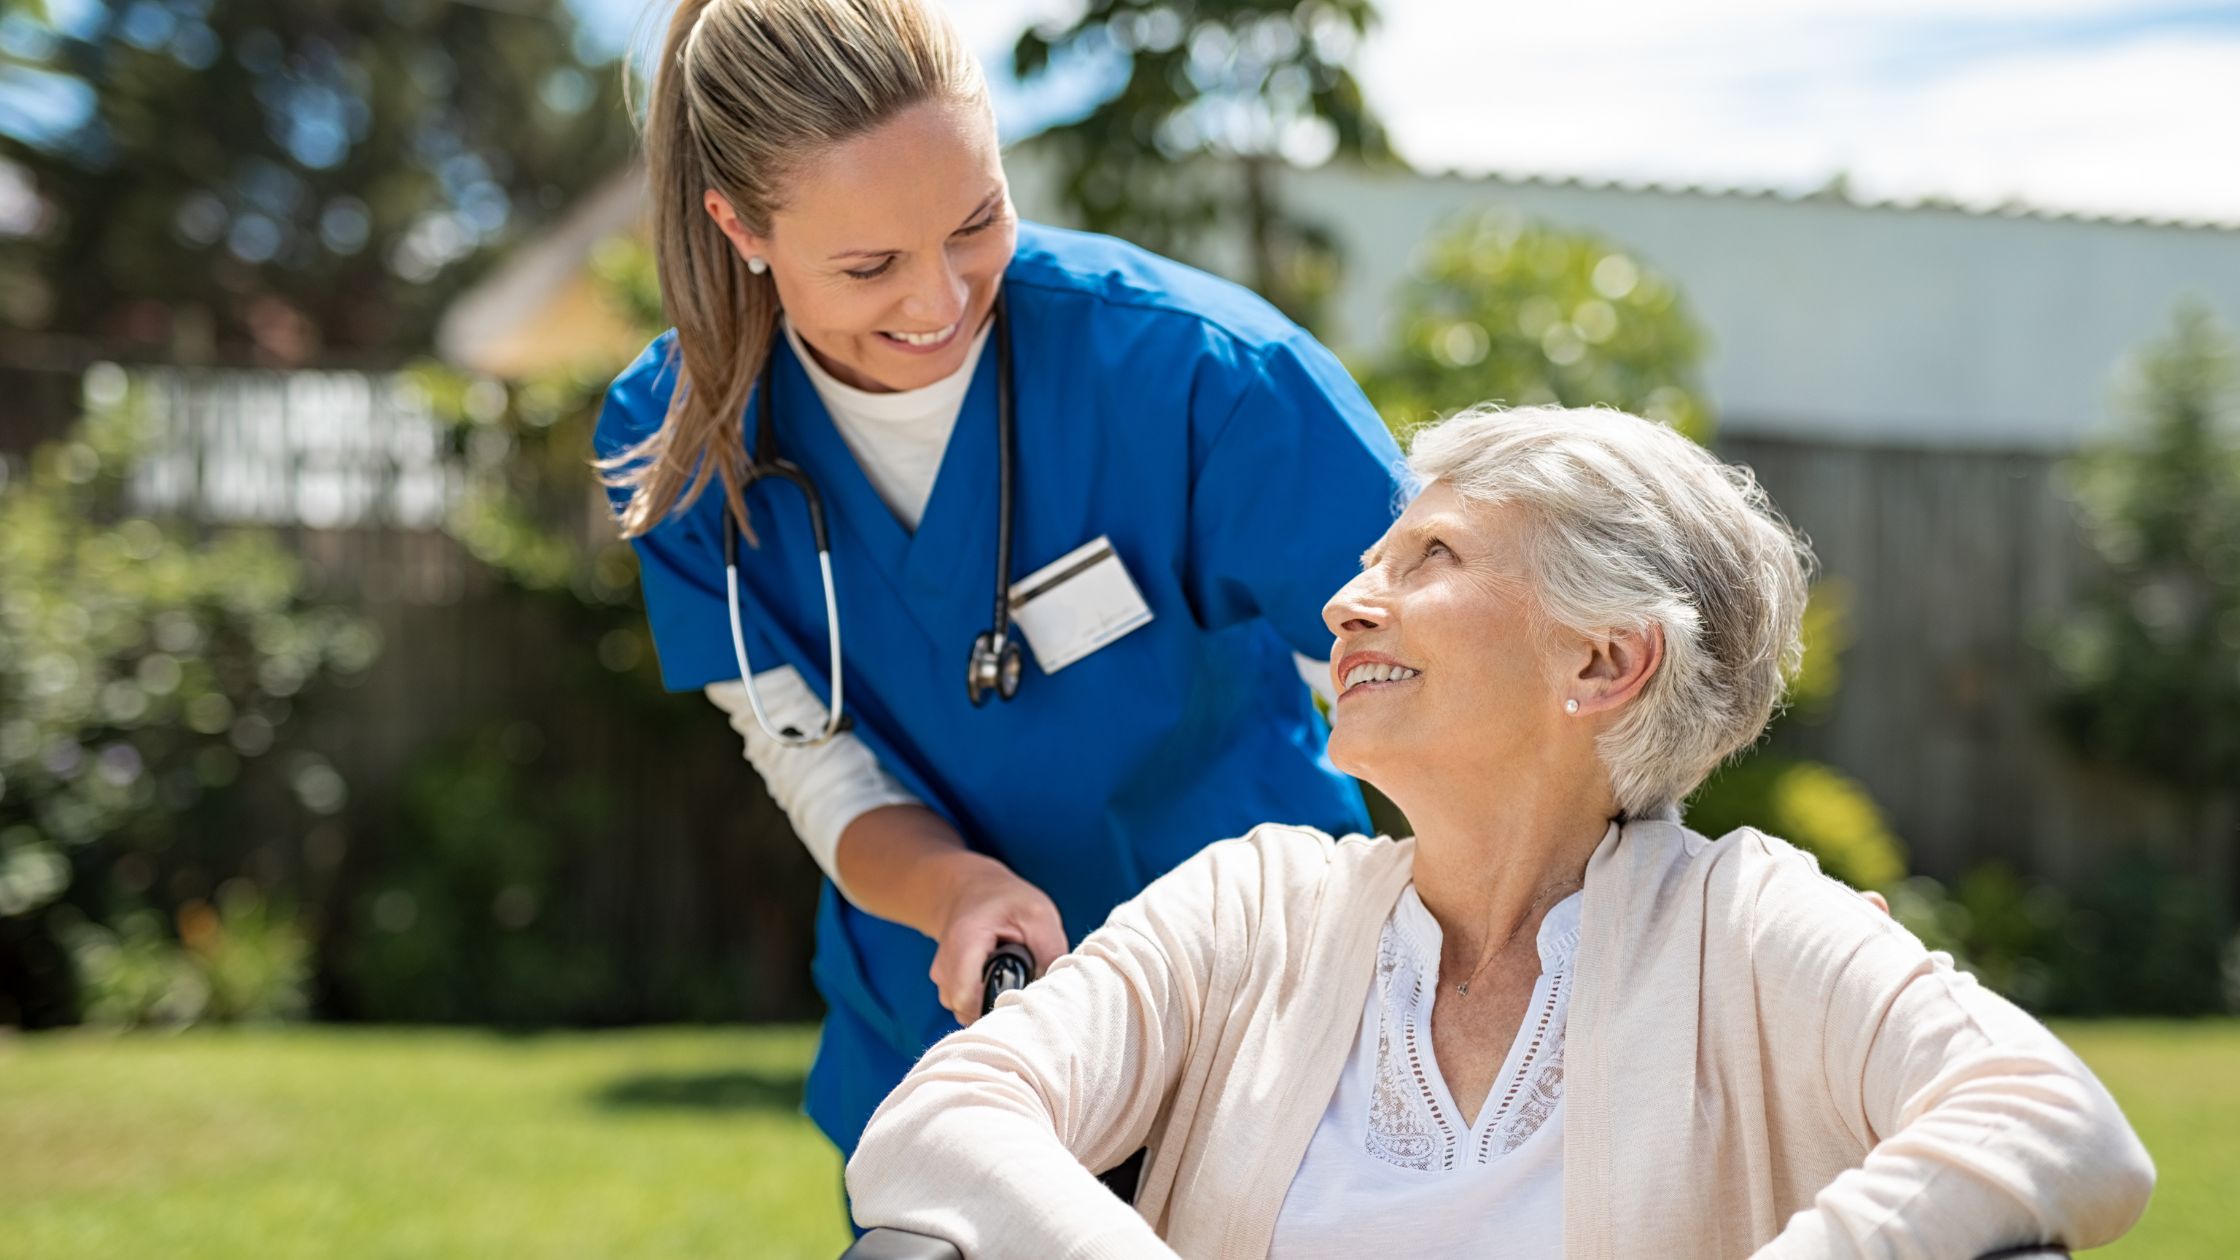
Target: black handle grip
[(1008, 968), (897, 1244)]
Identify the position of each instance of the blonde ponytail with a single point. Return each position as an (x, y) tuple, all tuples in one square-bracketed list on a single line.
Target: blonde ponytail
[(743, 92)]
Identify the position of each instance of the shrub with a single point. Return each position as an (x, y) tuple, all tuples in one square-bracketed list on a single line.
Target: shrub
[(1504, 309), (144, 671), (1810, 805)]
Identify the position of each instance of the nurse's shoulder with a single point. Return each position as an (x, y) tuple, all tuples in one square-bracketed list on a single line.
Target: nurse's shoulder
[(638, 398), (1098, 278)]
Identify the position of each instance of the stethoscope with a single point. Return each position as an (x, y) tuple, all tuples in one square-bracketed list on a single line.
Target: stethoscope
[(997, 663)]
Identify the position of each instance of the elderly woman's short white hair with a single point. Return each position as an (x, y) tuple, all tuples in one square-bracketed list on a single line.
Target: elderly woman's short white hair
[(1634, 526)]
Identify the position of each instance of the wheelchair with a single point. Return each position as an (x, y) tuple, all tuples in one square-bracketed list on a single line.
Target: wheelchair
[(1010, 967)]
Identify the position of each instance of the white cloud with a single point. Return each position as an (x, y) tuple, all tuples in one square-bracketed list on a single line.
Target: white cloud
[(2066, 104)]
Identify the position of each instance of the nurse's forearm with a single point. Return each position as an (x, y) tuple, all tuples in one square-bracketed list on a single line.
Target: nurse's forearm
[(905, 863)]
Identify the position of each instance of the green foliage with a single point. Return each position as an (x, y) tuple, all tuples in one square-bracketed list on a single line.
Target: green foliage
[(2005, 930), (2139, 938), (2145, 938), (252, 956), (461, 922), (1827, 636), (1502, 309), (288, 176), (136, 975), (2151, 663), (1810, 805), (1256, 82), (142, 669), (242, 962), (472, 906)]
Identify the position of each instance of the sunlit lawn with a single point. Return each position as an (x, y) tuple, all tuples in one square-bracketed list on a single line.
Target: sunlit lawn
[(325, 1142)]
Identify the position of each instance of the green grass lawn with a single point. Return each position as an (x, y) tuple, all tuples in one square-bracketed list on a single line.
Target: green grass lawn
[(2180, 1085), (319, 1142), (326, 1142)]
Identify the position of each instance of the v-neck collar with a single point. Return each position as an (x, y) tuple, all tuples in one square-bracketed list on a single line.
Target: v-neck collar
[(954, 544), (1558, 940)]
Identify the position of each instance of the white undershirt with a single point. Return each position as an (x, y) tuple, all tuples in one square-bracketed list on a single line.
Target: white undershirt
[(898, 439), (1391, 1168)]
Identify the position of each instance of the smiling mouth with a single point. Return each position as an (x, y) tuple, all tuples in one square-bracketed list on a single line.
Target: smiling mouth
[(924, 341), (1374, 674)]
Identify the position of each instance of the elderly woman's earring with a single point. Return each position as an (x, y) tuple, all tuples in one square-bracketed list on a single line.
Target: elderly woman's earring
[(756, 265), (1571, 706)]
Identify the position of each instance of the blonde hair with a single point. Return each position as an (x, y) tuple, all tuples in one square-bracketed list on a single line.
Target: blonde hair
[(1634, 526), (744, 92)]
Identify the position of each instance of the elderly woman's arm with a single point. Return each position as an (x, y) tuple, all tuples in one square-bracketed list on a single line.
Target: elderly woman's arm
[(989, 1141), (1986, 1131)]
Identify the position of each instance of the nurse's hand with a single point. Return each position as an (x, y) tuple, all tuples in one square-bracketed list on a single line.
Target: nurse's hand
[(988, 904), (906, 864)]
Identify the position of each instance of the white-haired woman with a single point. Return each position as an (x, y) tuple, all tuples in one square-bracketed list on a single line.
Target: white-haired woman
[(1555, 1022)]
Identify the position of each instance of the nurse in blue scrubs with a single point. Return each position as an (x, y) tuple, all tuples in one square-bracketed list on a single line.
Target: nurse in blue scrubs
[(858, 312)]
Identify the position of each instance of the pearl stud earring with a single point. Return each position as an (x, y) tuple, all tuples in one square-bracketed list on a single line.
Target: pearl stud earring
[(757, 265), (1570, 706)]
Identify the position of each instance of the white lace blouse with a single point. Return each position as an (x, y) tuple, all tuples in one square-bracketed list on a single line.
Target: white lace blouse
[(1391, 1167)]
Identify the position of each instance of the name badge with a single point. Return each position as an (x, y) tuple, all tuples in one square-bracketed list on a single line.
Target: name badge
[(1076, 604)]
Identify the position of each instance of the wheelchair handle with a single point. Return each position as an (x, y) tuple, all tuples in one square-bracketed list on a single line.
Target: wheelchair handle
[(1008, 968), (897, 1244)]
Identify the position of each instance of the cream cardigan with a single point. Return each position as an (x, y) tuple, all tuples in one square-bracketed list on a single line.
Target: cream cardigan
[(1760, 1063)]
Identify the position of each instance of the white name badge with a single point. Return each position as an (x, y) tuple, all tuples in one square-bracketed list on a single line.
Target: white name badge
[(1076, 604)]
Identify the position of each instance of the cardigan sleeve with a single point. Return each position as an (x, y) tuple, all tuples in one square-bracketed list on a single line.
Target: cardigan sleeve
[(1983, 1130), (989, 1141)]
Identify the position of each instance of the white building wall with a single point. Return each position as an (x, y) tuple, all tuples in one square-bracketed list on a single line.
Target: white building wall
[(1886, 326)]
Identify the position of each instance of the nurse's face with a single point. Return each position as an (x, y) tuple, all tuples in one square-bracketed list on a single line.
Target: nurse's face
[(888, 248), (1444, 671)]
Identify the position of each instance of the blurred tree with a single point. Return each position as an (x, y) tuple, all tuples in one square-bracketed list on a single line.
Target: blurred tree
[(1503, 309), (506, 886), (143, 672), (2150, 665), (1257, 82), (281, 177)]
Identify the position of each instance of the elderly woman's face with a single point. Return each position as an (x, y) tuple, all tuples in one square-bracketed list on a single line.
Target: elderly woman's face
[(1437, 662)]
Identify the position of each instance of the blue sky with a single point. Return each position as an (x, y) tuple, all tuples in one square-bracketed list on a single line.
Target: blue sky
[(2097, 106), (2123, 107)]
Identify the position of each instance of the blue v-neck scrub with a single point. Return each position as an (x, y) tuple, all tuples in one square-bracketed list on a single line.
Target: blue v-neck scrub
[(1239, 472)]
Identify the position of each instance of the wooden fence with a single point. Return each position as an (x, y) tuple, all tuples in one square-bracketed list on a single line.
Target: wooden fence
[(1959, 565), (677, 866)]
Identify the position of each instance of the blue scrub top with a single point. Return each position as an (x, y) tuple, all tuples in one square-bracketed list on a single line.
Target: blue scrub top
[(1239, 472)]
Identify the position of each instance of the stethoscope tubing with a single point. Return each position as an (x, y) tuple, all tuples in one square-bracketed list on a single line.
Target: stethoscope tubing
[(835, 722), (766, 463)]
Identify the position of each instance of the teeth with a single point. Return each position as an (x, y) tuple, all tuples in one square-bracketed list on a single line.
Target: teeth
[(924, 339), (1378, 672)]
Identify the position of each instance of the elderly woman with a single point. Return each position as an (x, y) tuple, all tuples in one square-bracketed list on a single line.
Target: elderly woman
[(1555, 1022)]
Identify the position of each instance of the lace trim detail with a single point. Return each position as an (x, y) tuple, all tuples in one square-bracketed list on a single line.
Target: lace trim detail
[(1407, 1126), (1514, 1123)]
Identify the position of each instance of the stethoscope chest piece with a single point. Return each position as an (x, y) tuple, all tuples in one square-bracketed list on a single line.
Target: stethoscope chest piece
[(994, 668)]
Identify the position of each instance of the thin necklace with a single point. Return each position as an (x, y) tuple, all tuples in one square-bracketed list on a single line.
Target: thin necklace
[(1487, 956)]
